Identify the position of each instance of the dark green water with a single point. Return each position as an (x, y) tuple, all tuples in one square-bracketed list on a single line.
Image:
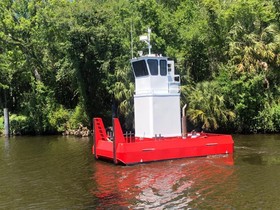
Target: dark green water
[(54, 172)]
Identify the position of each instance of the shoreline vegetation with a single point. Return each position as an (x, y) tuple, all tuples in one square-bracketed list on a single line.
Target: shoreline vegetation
[(81, 131), (64, 62)]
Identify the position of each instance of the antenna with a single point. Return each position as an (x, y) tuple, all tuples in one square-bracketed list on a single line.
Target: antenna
[(147, 39), (131, 37)]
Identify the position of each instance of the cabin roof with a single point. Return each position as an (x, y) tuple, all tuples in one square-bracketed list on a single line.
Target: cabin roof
[(156, 56)]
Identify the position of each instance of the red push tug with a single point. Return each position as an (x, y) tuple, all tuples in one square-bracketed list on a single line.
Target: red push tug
[(160, 134)]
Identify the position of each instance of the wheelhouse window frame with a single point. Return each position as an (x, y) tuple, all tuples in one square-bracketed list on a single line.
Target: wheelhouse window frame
[(153, 66), (140, 68), (163, 67)]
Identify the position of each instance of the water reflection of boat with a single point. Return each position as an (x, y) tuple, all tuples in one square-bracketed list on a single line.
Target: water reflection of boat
[(160, 132), (174, 183)]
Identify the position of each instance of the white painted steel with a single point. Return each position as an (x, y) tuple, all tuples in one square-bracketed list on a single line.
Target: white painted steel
[(157, 115), (157, 103)]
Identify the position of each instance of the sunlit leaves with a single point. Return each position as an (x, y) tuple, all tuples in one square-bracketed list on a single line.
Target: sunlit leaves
[(207, 106)]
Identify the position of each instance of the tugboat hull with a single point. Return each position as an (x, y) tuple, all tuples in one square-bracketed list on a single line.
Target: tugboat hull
[(132, 150)]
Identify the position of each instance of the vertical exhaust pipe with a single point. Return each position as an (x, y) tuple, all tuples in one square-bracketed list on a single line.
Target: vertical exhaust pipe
[(184, 122)]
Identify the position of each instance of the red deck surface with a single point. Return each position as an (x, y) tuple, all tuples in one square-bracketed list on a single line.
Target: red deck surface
[(136, 150)]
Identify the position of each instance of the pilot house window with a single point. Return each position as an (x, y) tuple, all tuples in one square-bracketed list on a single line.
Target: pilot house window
[(140, 68), (153, 65), (163, 67)]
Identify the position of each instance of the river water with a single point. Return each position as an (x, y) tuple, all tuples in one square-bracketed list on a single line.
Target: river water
[(55, 172)]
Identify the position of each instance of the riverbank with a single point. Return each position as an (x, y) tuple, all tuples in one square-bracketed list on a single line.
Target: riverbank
[(80, 132)]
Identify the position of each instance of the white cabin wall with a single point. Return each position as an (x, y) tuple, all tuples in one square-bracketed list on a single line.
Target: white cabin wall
[(157, 115), (151, 84), (143, 117), (166, 115)]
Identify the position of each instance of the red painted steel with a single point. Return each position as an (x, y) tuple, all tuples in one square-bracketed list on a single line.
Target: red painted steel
[(135, 150)]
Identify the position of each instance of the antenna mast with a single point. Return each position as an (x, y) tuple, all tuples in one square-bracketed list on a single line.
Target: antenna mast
[(131, 37), (147, 39)]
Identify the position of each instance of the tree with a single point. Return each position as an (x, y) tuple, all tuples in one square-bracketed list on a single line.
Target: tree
[(253, 47), (32, 54), (207, 106)]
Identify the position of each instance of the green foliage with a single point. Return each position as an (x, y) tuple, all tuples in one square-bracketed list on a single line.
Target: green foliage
[(93, 50), (207, 106), (37, 108), (19, 124), (59, 118), (68, 61), (1, 125), (248, 96), (268, 119), (77, 117), (123, 92)]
